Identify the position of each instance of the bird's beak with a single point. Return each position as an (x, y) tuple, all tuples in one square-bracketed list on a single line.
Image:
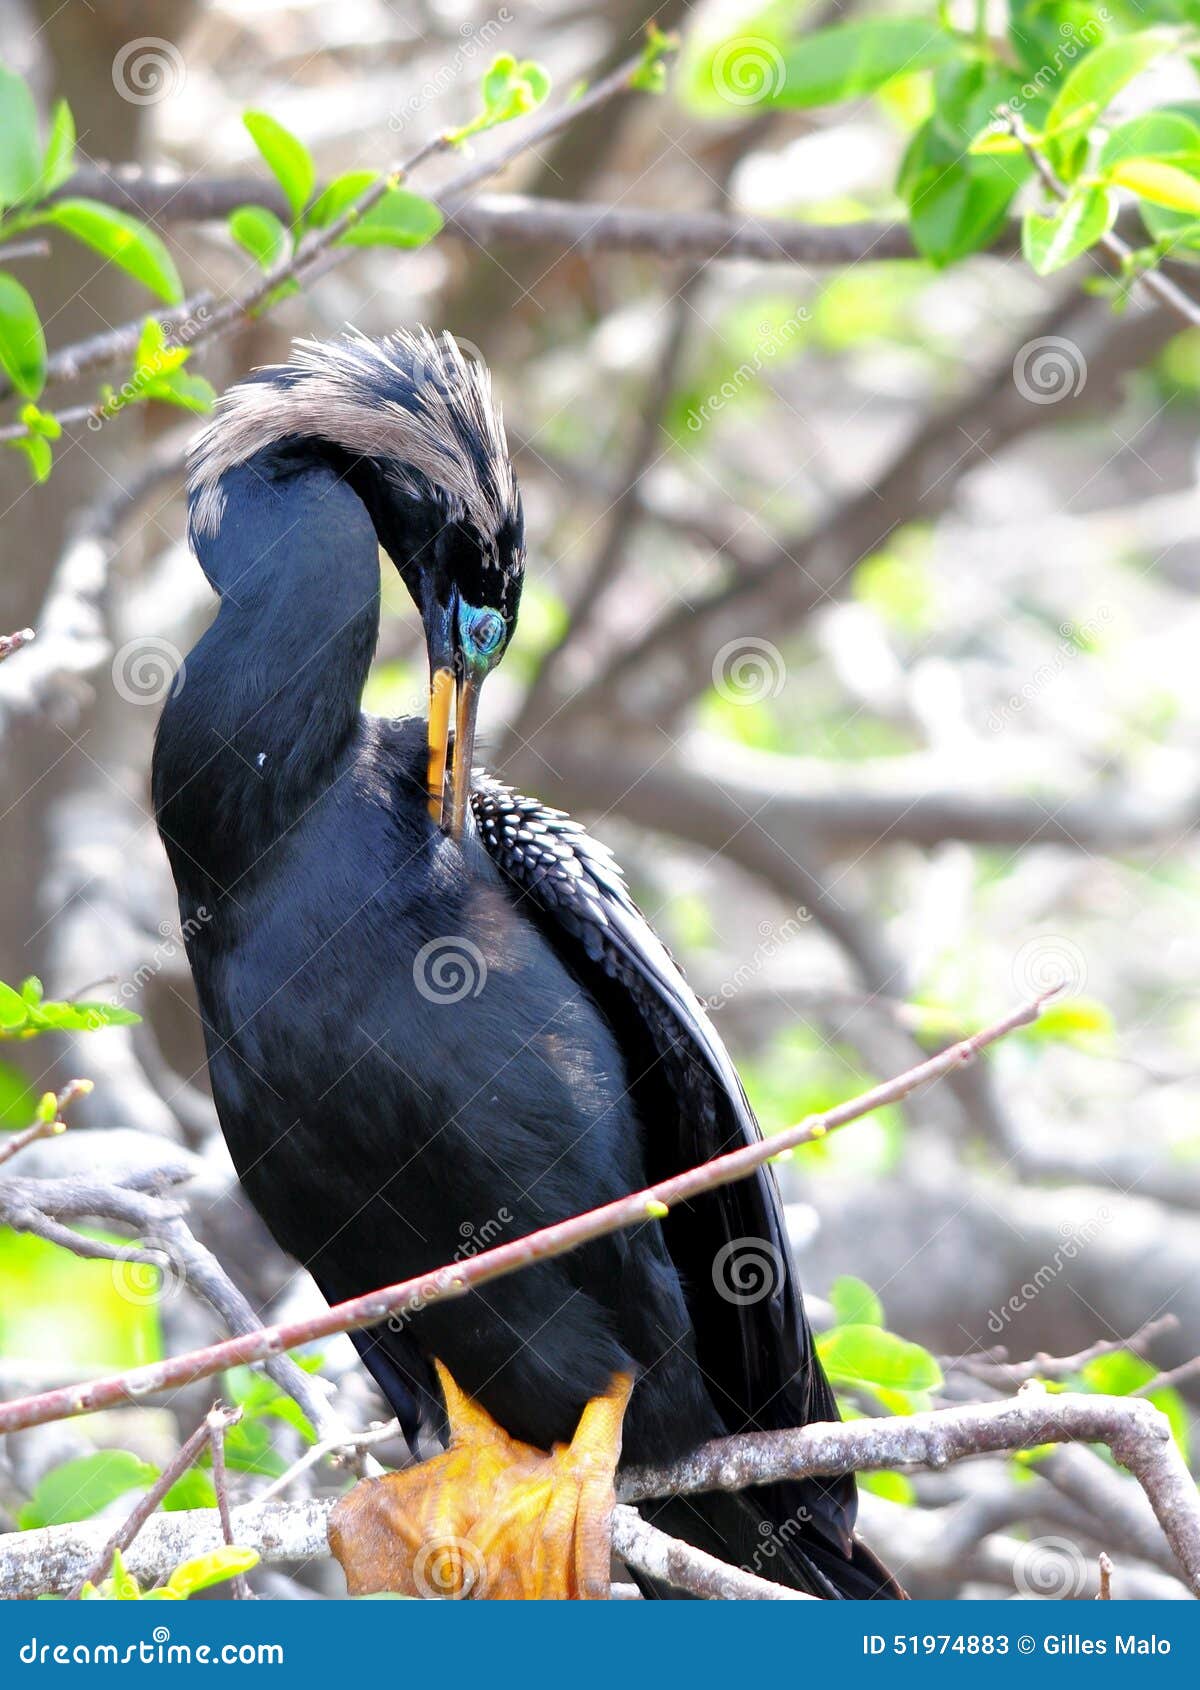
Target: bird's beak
[(454, 818), (449, 767), (439, 638)]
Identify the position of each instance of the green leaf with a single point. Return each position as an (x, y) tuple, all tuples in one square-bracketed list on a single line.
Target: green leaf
[(340, 194), (14, 1011), (1050, 242), (840, 63), (73, 1316), (22, 339), (872, 1356), (894, 1486), (1161, 183), (1092, 86), (854, 1303), (20, 149), (509, 88), (399, 219), (1160, 134), (956, 209), (58, 161), (193, 1489), (78, 1489), (210, 1569), (1077, 1020), (260, 233), (122, 240), (288, 158)]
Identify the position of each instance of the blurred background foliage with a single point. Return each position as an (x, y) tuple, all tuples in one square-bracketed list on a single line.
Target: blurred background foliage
[(861, 620)]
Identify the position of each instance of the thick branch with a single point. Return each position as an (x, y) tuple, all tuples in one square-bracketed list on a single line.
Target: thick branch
[(456, 1279)]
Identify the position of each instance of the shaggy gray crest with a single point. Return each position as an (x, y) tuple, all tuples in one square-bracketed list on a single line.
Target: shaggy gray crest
[(412, 400)]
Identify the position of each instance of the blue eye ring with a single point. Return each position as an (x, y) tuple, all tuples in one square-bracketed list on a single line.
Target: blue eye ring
[(485, 629)]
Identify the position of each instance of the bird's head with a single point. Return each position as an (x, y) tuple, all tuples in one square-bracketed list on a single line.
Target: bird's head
[(410, 424)]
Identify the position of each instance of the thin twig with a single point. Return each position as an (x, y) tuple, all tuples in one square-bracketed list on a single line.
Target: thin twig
[(11, 1147), (358, 1442), (13, 642), (992, 1370), (1106, 1567), (1153, 280), (457, 1278), (180, 1463), (216, 1422), (642, 1546)]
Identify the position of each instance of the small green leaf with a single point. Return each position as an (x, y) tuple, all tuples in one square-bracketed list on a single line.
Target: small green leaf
[(872, 1356), (854, 1303), (955, 208), (1093, 85), (41, 423), (998, 142), (260, 233), (210, 1569), (20, 149), (1161, 183), (1050, 242), (14, 1011), (842, 62), (47, 1108), (22, 339), (1159, 134), (78, 1489), (338, 196), (193, 1489), (121, 239), (288, 158), (895, 1487), (58, 161), (1077, 1020), (399, 219), (509, 88)]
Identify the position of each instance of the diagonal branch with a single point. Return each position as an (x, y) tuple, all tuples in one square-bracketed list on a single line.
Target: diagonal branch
[(455, 1279)]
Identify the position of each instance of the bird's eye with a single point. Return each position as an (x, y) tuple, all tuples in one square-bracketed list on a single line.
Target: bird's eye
[(486, 630)]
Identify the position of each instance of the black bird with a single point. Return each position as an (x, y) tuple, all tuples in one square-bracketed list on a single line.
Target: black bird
[(432, 1011)]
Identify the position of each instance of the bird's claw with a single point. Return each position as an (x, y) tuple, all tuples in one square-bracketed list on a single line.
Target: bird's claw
[(490, 1518)]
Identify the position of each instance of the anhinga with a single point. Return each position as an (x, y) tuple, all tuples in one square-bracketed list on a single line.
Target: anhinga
[(321, 857)]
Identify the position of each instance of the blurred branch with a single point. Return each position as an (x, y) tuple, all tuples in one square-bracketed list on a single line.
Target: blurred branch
[(72, 633), (456, 1278), (647, 1550)]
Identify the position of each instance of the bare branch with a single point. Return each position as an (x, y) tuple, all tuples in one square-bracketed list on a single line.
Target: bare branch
[(181, 1462), (457, 1278), (1007, 1375), (643, 1547)]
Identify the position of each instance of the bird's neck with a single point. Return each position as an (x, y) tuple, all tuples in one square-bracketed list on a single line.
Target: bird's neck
[(265, 709)]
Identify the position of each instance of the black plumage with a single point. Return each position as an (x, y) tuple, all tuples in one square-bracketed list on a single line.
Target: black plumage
[(421, 1042)]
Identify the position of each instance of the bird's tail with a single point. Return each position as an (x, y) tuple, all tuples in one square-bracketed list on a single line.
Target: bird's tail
[(772, 1531)]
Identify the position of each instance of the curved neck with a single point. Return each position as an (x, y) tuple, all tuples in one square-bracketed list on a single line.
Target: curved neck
[(265, 706)]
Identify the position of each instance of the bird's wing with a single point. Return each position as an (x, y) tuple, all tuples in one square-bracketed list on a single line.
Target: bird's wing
[(731, 1245)]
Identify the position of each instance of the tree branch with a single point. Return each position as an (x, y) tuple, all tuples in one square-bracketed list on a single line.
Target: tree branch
[(455, 1279)]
